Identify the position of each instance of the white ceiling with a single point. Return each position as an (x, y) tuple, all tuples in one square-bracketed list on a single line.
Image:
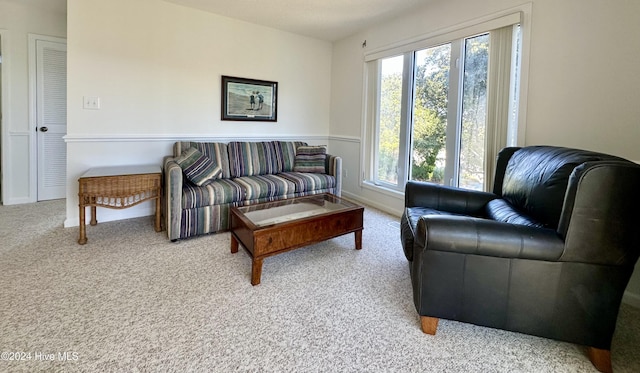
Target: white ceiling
[(57, 6), (329, 20)]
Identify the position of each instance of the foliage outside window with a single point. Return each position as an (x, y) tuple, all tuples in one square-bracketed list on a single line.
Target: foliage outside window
[(431, 113)]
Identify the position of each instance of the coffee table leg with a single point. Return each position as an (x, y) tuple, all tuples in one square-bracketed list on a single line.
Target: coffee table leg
[(358, 239), (256, 271), (234, 245)]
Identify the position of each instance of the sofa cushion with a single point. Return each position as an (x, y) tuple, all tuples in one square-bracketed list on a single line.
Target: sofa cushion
[(264, 186), (214, 192), (286, 154), (306, 182), (252, 158), (310, 159), (197, 167)]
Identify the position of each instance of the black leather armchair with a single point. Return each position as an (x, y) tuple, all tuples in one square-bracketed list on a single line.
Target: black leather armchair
[(548, 253)]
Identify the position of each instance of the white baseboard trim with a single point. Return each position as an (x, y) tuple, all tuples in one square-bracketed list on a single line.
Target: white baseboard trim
[(371, 203), (18, 201), (631, 299)]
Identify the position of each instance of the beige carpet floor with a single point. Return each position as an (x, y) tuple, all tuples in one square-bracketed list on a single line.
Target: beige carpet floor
[(131, 301)]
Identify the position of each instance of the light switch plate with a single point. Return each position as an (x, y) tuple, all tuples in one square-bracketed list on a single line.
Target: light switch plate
[(91, 102)]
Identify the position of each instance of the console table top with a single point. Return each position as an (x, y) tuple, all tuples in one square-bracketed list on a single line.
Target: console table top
[(121, 170)]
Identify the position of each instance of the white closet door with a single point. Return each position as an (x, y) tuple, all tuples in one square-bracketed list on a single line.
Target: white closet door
[(51, 122)]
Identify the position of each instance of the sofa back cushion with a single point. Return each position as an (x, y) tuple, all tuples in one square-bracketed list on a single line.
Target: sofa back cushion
[(536, 178), (217, 151), (286, 154), (252, 158)]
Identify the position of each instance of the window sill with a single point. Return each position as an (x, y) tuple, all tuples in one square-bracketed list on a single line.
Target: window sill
[(383, 190)]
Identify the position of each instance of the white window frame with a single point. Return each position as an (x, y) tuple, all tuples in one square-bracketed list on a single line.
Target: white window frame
[(518, 15)]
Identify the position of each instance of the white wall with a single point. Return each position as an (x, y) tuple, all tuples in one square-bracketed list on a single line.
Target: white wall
[(583, 80), (156, 67), (17, 20)]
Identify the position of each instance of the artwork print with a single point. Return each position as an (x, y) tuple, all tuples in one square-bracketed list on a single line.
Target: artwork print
[(248, 99)]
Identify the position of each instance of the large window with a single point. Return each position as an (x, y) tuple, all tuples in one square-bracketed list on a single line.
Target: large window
[(442, 111)]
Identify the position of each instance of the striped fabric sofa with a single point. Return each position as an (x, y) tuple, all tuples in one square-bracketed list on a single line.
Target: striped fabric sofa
[(251, 172)]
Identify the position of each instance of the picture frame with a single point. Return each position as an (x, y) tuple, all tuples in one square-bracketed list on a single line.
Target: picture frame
[(249, 99)]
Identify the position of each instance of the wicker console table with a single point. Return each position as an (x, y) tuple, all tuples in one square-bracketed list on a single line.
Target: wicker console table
[(118, 188)]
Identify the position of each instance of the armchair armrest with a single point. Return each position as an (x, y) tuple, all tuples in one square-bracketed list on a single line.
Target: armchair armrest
[(467, 235), (439, 197), (333, 167), (173, 197)]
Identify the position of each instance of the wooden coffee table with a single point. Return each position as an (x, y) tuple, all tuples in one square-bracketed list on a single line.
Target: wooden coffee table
[(272, 228)]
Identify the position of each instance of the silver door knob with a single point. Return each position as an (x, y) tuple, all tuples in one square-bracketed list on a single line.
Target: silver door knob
[(43, 129)]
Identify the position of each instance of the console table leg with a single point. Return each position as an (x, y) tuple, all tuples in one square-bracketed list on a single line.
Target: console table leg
[(256, 271), (93, 216), (158, 225), (83, 231), (358, 239)]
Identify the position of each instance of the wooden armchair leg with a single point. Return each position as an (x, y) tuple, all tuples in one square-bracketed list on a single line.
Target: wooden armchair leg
[(601, 359), (429, 324)]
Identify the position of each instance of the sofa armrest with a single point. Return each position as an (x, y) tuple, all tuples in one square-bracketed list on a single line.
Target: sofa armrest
[(173, 197), (443, 198), (467, 235), (333, 167)]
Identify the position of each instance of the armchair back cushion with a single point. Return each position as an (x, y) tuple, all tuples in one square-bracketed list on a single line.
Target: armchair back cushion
[(535, 181)]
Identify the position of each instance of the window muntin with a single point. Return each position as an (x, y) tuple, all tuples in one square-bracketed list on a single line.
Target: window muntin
[(444, 138)]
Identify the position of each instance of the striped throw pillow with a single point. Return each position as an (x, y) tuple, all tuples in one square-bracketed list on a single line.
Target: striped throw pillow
[(310, 159), (197, 167)]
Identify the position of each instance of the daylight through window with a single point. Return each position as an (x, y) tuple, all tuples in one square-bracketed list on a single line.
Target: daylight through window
[(440, 113)]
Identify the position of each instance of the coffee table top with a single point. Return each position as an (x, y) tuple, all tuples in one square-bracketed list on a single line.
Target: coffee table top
[(288, 210)]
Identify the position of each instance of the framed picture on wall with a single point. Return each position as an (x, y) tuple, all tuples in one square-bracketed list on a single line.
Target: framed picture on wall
[(249, 99)]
